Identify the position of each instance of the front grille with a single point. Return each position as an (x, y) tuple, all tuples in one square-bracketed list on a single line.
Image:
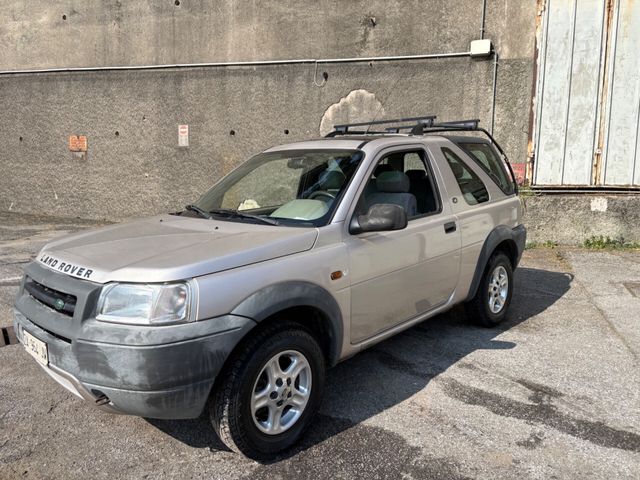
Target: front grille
[(59, 301)]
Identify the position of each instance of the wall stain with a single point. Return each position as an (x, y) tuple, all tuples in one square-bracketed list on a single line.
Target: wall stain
[(358, 106), (367, 24), (544, 413)]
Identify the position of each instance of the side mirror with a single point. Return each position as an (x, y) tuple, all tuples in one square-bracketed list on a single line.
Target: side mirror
[(381, 217)]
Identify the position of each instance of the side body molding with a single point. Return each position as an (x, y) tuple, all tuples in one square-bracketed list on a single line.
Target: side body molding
[(498, 235), (280, 296)]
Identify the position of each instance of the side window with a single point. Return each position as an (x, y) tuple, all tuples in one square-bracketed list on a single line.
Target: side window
[(402, 178), (472, 188), (491, 163)]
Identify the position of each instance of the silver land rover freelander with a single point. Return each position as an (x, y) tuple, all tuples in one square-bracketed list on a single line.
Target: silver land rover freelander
[(303, 256)]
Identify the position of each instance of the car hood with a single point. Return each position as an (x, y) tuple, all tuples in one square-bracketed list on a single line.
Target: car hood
[(169, 247)]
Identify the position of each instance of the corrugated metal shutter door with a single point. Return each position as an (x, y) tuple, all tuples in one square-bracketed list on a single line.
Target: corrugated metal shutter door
[(568, 93), (584, 41), (620, 162)]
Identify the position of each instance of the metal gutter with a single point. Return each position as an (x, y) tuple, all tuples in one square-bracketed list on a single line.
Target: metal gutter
[(175, 66)]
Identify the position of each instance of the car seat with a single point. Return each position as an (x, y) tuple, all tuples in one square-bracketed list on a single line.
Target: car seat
[(393, 187)]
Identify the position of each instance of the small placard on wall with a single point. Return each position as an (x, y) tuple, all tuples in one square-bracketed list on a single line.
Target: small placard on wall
[(77, 143), (183, 135)]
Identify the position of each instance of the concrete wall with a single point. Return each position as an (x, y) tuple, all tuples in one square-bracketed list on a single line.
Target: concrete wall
[(62, 33), (571, 219), (134, 165)]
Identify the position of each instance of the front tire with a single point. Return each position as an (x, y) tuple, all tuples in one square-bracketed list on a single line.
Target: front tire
[(489, 306), (270, 392)]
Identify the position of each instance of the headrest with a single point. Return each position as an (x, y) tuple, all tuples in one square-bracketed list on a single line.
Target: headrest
[(393, 182), (416, 174), (332, 180), (458, 171), (383, 167), (395, 157)]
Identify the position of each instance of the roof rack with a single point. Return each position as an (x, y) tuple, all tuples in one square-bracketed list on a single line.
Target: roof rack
[(344, 128), (421, 126), (464, 124)]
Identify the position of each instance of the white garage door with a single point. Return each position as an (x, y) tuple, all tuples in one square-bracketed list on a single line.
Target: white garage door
[(588, 94)]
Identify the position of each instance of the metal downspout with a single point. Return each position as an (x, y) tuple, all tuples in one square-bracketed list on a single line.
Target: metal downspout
[(495, 67), (484, 16), (496, 57)]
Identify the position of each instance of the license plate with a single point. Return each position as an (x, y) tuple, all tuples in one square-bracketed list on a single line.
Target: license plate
[(36, 348)]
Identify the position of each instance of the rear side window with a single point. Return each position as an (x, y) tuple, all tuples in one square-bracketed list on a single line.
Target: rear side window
[(472, 188), (486, 157)]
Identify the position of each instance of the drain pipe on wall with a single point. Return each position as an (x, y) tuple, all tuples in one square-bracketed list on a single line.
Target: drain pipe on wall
[(495, 89), (484, 16), (176, 66), (495, 67)]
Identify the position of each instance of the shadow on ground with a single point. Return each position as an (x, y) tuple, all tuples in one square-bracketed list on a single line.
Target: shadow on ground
[(377, 378)]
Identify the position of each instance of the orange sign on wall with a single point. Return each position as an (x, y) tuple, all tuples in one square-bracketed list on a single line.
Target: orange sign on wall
[(78, 143)]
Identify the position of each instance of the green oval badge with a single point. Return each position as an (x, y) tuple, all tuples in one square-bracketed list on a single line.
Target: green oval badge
[(58, 304)]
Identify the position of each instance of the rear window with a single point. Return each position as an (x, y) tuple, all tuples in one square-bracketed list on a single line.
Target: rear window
[(491, 163)]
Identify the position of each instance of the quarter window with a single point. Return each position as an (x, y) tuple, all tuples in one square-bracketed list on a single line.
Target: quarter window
[(472, 188), (486, 157)]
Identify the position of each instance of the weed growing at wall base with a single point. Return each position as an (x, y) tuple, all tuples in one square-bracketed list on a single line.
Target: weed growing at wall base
[(600, 242), (545, 244)]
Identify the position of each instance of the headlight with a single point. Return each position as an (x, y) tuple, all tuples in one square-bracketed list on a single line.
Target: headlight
[(140, 304)]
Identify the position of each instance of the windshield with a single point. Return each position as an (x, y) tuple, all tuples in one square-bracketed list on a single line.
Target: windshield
[(293, 187)]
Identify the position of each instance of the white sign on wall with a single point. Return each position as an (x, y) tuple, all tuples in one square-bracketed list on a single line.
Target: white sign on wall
[(183, 135)]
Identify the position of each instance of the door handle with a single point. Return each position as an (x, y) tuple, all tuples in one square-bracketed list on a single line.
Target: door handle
[(450, 227)]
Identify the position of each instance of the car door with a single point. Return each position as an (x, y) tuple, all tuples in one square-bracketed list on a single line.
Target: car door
[(398, 275)]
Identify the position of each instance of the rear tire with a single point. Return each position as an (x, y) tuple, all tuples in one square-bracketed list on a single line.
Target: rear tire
[(270, 391), (489, 306)]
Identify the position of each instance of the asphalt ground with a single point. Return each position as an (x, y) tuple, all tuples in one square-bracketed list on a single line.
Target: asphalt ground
[(552, 393)]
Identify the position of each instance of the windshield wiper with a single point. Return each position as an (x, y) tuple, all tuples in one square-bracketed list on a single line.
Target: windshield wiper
[(198, 210), (234, 213)]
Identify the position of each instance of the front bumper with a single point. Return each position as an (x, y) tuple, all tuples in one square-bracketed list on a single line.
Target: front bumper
[(155, 372), (74, 385)]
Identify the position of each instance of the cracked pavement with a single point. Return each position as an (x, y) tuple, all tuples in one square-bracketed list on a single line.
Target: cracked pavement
[(552, 393)]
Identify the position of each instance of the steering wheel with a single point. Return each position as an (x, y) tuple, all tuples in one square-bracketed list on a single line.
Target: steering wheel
[(322, 193)]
